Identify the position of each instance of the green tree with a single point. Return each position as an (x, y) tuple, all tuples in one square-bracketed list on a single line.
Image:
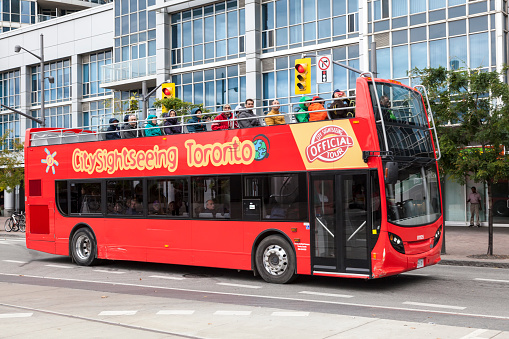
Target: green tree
[(471, 109), (181, 107), (11, 163)]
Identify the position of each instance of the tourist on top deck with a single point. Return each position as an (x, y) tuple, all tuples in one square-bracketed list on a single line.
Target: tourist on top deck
[(248, 113), (113, 130), (277, 119), (316, 110), (196, 120), (303, 115), (223, 120), (152, 128), (171, 123), (129, 130), (340, 104)]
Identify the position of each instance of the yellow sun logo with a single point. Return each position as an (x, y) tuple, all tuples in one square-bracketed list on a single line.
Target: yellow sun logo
[(50, 161)]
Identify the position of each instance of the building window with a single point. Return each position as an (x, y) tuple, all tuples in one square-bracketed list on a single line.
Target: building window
[(135, 32), (92, 74), (16, 12), (207, 34), (212, 87), (290, 24), (9, 96), (96, 114), (58, 91), (59, 116)]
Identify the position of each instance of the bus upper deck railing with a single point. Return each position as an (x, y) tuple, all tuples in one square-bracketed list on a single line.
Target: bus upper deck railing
[(98, 132)]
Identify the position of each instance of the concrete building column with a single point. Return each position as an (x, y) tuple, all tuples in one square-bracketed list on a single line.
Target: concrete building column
[(9, 203), (253, 48), (163, 52), (363, 36), (25, 87), (499, 36), (76, 90)]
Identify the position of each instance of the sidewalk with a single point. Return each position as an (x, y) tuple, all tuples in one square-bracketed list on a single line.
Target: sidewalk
[(461, 243)]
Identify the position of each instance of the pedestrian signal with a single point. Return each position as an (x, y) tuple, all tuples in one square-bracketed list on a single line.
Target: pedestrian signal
[(303, 76), (168, 91)]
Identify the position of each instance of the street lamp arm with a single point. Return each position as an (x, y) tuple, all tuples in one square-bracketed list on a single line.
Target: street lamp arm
[(39, 121), (26, 50), (145, 98)]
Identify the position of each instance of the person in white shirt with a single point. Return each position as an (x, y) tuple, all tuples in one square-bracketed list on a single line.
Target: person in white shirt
[(475, 206)]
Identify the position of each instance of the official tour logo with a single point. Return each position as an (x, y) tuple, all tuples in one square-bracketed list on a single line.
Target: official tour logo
[(328, 144)]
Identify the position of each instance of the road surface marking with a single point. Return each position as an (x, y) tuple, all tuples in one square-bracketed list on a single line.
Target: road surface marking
[(15, 261), (434, 305), (328, 294), (492, 280), (239, 285), (232, 313), (290, 314), (473, 334), (106, 271), (329, 302), (15, 315), (59, 266), (175, 312), (166, 277), (118, 313)]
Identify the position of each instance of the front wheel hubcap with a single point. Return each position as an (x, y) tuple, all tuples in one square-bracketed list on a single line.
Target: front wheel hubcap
[(83, 247), (275, 260)]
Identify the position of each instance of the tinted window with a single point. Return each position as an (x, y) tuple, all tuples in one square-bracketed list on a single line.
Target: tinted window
[(86, 198), (168, 197), (216, 197), (124, 197), (282, 196), (61, 197)]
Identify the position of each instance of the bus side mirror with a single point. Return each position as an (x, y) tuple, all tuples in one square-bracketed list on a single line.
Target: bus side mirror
[(391, 173)]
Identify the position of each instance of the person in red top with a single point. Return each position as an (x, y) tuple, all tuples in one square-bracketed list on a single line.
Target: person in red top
[(221, 121), (316, 110)]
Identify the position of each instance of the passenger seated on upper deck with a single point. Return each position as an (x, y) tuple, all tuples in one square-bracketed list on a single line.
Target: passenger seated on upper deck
[(129, 130), (316, 110), (112, 131), (151, 128), (278, 119), (171, 124), (195, 120), (223, 120), (248, 113), (340, 104), (385, 105), (303, 115)]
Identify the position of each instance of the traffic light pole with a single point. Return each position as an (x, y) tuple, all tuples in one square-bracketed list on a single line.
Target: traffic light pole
[(145, 96), (335, 62)]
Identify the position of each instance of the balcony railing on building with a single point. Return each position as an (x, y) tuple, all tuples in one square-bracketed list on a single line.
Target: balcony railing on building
[(128, 70)]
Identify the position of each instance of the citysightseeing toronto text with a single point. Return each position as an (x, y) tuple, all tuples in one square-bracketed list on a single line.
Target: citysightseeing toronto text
[(234, 152)]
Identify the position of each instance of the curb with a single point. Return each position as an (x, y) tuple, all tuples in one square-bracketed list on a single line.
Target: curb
[(474, 263)]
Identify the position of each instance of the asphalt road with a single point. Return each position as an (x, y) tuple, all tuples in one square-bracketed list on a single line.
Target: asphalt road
[(48, 296)]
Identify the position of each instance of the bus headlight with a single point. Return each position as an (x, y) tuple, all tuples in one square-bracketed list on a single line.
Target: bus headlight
[(438, 234), (397, 243)]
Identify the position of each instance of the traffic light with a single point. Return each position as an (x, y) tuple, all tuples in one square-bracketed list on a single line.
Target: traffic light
[(168, 91), (303, 76)]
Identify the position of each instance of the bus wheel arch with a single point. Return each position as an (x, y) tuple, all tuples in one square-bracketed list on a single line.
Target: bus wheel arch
[(274, 257), (83, 245)]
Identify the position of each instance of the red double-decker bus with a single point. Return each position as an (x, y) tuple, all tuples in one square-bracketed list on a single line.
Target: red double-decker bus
[(356, 197)]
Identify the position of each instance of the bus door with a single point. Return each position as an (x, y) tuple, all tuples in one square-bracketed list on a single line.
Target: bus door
[(340, 222)]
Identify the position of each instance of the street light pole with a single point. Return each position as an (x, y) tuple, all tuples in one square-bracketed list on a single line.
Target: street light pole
[(43, 124)]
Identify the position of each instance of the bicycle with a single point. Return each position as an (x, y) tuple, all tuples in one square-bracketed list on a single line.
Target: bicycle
[(16, 222)]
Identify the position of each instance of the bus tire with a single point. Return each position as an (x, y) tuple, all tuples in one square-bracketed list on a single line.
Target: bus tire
[(84, 247), (275, 260)]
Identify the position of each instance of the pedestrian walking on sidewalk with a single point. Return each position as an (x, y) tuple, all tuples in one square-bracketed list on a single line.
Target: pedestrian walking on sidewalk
[(475, 206)]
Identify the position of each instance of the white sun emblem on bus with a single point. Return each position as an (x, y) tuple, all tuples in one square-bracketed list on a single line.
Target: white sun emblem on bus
[(50, 161)]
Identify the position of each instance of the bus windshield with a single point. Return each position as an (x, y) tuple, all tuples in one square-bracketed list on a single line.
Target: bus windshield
[(405, 120), (414, 199)]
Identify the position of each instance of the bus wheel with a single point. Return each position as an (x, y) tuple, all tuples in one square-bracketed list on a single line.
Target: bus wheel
[(83, 247), (275, 260)]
